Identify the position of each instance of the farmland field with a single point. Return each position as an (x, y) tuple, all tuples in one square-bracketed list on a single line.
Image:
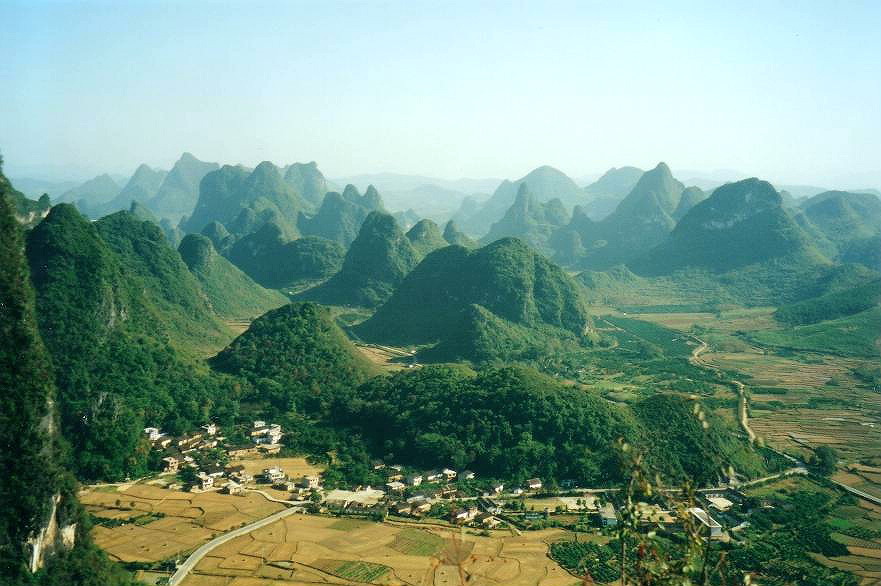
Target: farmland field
[(293, 467), (182, 522), (864, 553), (305, 549)]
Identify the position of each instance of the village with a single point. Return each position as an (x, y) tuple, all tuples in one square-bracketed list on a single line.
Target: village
[(204, 461)]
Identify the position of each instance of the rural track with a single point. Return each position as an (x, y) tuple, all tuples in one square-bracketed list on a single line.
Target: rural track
[(185, 568), (743, 402)]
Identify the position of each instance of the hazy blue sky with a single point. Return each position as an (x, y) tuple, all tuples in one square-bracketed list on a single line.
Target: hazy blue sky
[(789, 91)]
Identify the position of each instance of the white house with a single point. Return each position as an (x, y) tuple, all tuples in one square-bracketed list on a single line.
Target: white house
[(153, 433)]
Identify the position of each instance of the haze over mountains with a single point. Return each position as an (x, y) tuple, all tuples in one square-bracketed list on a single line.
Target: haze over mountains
[(130, 304)]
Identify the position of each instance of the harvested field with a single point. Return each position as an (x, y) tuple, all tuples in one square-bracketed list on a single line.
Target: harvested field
[(293, 467), (306, 549), (184, 520), (854, 434), (386, 358)]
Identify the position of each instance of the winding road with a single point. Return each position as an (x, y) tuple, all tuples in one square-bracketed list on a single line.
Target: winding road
[(743, 403)]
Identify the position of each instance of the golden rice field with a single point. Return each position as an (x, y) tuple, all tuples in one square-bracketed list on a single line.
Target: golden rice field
[(305, 550), (188, 519)]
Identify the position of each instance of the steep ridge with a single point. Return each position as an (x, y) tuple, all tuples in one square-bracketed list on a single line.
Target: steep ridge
[(545, 183), (639, 222), (180, 189), (603, 195), (852, 221), (97, 190), (124, 321), (378, 260), (42, 526), (740, 224), (271, 260), (453, 235), (425, 236), (691, 196), (340, 216), (141, 187), (243, 201), (31, 486), (308, 181), (231, 292), (529, 220)]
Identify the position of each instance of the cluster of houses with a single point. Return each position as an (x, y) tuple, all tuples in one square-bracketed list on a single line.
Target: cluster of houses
[(181, 452)]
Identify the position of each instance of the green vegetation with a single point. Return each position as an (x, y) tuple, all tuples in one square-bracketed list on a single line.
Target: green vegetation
[(243, 201), (308, 181), (425, 237), (417, 542), (296, 357), (600, 562), (30, 449), (545, 183), (855, 335), (273, 262), (831, 306), (824, 460), (453, 235), (172, 296), (662, 340), (32, 457), (141, 187), (780, 539), (231, 292), (462, 299), (378, 260), (341, 215), (530, 220), (642, 220), (739, 225), (691, 196), (122, 317), (850, 221), (362, 572), (26, 211), (515, 423)]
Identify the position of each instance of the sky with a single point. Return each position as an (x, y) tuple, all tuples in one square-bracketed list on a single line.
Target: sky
[(787, 91)]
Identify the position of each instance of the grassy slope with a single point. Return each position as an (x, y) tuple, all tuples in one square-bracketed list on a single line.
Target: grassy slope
[(854, 335)]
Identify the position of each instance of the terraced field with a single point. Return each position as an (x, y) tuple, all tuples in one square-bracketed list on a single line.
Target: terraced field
[(303, 550), (183, 520)]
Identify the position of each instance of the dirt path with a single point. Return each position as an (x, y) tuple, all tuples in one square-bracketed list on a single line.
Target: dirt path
[(743, 401)]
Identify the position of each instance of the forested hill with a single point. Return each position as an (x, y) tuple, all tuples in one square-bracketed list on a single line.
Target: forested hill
[(302, 351), (341, 214), (231, 292), (124, 321), (30, 450), (37, 492), (503, 295), (740, 224), (512, 422), (232, 193), (378, 260)]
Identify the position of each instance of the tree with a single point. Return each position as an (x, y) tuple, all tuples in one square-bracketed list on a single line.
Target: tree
[(825, 460)]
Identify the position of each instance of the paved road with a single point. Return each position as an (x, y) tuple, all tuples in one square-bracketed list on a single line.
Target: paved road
[(857, 492), (195, 557)]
